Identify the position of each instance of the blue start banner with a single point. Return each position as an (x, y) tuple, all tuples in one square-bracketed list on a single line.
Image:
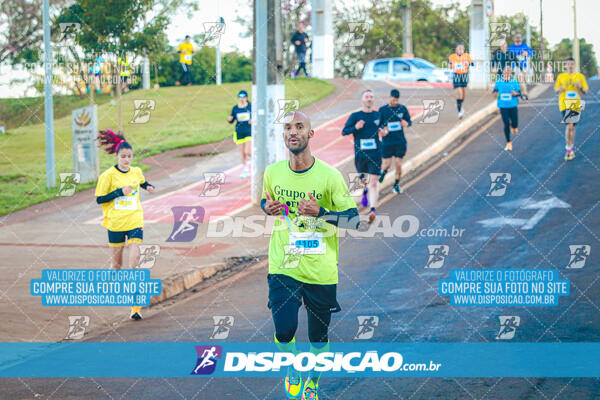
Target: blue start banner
[(95, 287), (355, 359)]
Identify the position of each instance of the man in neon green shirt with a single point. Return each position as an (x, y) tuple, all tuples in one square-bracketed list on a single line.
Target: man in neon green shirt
[(312, 200)]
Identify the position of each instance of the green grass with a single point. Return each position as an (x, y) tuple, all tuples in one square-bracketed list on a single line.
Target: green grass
[(30, 110), (184, 116)]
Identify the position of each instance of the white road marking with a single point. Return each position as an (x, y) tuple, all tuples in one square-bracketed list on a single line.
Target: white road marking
[(542, 208)]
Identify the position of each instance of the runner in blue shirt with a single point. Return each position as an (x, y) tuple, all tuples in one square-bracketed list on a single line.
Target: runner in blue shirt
[(508, 90), (522, 52)]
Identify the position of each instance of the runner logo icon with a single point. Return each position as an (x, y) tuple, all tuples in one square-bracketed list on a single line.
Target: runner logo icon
[(366, 326), (186, 220), (579, 254), (77, 325), (223, 324), (508, 326), (437, 255), (207, 359), (498, 183)]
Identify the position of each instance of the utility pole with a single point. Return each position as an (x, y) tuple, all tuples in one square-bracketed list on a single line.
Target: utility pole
[(541, 34), (145, 73), (321, 21), (407, 42), (218, 50), (268, 92), (48, 108), (575, 38), (527, 31)]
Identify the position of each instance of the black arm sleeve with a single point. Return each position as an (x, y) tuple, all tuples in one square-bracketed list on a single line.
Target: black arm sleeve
[(406, 116), (145, 185), (342, 219), (232, 115), (108, 197), (349, 127)]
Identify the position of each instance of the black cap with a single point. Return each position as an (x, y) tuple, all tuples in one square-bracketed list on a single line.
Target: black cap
[(395, 93), (242, 93)]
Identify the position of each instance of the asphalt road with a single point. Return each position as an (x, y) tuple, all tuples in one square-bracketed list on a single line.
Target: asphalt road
[(387, 277)]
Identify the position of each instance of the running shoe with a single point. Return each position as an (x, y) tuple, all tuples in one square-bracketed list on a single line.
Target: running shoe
[(508, 146), (371, 216), (245, 172), (189, 84), (293, 384), (293, 75), (514, 130), (311, 390), (177, 83), (135, 314), (397, 189), (365, 198), (307, 76), (461, 113), (382, 175), (569, 155)]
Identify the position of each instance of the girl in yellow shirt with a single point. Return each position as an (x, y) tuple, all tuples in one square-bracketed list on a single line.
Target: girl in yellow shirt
[(118, 193)]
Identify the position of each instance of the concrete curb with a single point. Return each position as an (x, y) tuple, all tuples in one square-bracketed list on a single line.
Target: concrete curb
[(187, 279)]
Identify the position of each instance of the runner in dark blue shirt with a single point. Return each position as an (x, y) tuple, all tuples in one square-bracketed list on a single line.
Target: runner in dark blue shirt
[(300, 40), (364, 125), (241, 113), (394, 118)]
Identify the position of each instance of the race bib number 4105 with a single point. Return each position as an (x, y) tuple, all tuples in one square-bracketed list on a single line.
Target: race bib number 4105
[(307, 242)]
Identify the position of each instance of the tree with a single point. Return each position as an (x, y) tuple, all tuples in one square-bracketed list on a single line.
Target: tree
[(377, 32), (587, 57), (117, 28), (292, 13), (21, 29)]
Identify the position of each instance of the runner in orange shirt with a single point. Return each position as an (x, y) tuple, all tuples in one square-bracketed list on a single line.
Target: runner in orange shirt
[(460, 63)]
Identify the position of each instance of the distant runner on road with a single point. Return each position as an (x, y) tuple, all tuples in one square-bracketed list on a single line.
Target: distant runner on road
[(394, 118), (312, 200), (460, 63), (522, 53), (508, 90), (241, 113), (570, 86), (364, 125)]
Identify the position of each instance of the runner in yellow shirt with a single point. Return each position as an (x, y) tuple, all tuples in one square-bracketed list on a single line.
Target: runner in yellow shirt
[(570, 85), (186, 51), (125, 72), (460, 63), (118, 192)]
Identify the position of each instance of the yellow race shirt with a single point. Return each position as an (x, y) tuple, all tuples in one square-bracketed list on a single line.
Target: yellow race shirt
[(571, 96), (123, 213), (185, 55), (302, 247)]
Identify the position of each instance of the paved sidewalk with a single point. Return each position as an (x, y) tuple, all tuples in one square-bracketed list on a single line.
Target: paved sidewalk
[(65, 232)]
